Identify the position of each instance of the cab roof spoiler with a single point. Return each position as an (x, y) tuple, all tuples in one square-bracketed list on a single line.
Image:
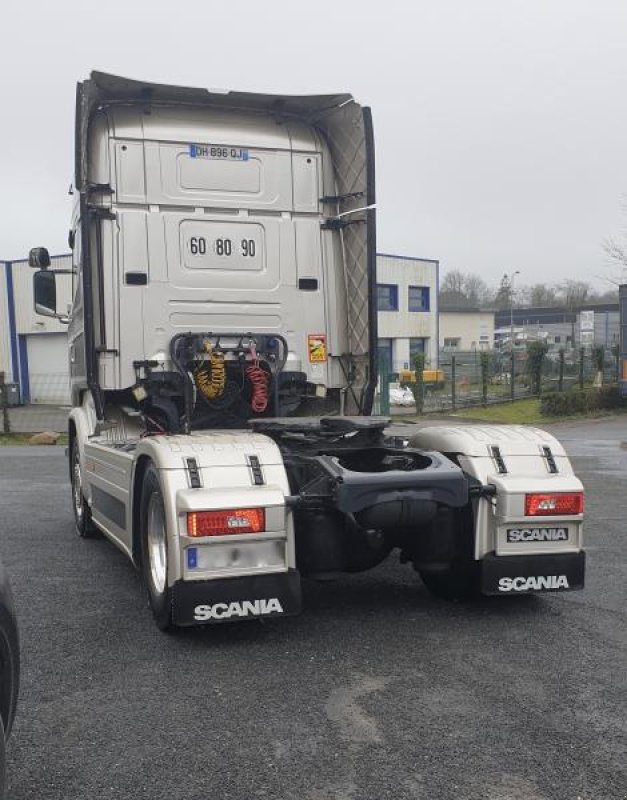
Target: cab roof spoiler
[(347, 129), (103, 89)]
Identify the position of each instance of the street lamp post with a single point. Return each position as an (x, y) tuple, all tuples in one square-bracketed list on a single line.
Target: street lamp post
[(511, 305), (511, 329)]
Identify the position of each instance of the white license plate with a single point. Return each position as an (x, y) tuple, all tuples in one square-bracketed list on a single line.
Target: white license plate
[(222, 152)]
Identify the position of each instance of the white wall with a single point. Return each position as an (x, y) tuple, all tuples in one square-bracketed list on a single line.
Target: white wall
[(403, 325), (474, 329)]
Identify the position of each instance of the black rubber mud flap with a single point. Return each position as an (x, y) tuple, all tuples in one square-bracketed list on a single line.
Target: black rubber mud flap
[(510, 575), (235, 599)]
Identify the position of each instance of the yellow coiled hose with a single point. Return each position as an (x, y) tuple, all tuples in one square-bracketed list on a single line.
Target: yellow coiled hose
[(210, 377)]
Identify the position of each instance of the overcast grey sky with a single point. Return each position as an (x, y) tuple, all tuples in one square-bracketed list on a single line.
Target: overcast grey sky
[(501, 125)]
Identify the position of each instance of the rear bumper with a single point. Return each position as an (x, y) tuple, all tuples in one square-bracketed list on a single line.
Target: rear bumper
[(234, 599), (533, 573)]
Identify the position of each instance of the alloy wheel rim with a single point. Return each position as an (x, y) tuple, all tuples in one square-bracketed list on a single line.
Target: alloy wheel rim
[(77, 488), (157, 553)]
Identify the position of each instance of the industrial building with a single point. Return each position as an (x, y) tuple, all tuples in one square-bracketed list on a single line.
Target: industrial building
[(407, 302), (33, 349), (466, 329), (560, 327)]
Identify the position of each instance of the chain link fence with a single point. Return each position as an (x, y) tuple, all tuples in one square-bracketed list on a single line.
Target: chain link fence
[(480, 378)]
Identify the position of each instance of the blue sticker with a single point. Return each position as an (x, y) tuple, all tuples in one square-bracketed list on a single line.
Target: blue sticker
[(192, 557), (218, 151)]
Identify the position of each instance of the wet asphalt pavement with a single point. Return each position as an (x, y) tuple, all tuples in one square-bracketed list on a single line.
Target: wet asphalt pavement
[(376, 691)]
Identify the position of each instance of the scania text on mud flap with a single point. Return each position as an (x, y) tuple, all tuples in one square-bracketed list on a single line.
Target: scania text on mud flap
[(222, 348)]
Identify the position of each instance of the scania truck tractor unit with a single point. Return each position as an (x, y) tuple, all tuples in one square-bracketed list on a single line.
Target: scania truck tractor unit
[(222, 344)]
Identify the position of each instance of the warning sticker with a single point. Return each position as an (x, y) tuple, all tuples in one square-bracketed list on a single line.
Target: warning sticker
[(317, 347)]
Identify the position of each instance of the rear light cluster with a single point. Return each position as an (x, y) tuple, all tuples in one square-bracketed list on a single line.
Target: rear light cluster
[(226, 522), (553, 505)]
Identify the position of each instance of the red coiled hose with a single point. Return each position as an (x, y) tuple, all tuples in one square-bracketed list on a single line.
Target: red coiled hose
[(259, 380)]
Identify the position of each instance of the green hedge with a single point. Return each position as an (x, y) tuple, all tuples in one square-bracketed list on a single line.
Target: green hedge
[(578, 401)]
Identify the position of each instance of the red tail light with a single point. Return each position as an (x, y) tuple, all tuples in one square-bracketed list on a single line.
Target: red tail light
[(553, 505), (226, 522)]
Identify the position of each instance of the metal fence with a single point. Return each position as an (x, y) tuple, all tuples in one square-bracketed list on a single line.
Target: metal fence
[(476, 378), (462, 379)]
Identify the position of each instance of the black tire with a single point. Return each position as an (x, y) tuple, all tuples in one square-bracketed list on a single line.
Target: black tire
[(9, 672), (82, 513), (9, 668), (154, 549), (3, 764), (458, 577), (460, 581)]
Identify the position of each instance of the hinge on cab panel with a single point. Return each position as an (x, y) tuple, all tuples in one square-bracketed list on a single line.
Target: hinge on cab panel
[(336, 224), (338, 198), (102, 213), (102, 188)]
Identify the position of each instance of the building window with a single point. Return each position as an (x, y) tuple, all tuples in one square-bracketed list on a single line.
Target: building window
[(384, 351), (416, 346), (387, 297), (558, 339), (451, 344), (419, 298)]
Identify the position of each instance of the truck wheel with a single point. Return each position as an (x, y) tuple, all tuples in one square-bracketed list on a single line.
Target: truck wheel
[(154, 544), (82, 512), (459, 582), (3, 764)]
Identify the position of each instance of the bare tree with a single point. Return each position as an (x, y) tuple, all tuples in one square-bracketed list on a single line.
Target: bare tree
[(476, 290), (574, 293), (453, 282), (616, 249), (541, 295), (463, 290)]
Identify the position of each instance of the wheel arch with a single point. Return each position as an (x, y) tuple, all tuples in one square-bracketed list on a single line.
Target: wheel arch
[(80, 428), (141, 466), (71, 437)]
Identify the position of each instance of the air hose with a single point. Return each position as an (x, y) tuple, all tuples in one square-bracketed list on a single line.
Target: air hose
[(259, 380), (211, 378)]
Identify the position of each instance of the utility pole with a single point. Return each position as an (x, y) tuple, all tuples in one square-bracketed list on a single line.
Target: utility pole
[(511, 306), (511, 279)]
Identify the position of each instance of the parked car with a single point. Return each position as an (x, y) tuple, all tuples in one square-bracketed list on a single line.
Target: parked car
[(9, 670)]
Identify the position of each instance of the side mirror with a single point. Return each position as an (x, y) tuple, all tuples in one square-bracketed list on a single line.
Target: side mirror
[(45, 292), (39, 257)]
